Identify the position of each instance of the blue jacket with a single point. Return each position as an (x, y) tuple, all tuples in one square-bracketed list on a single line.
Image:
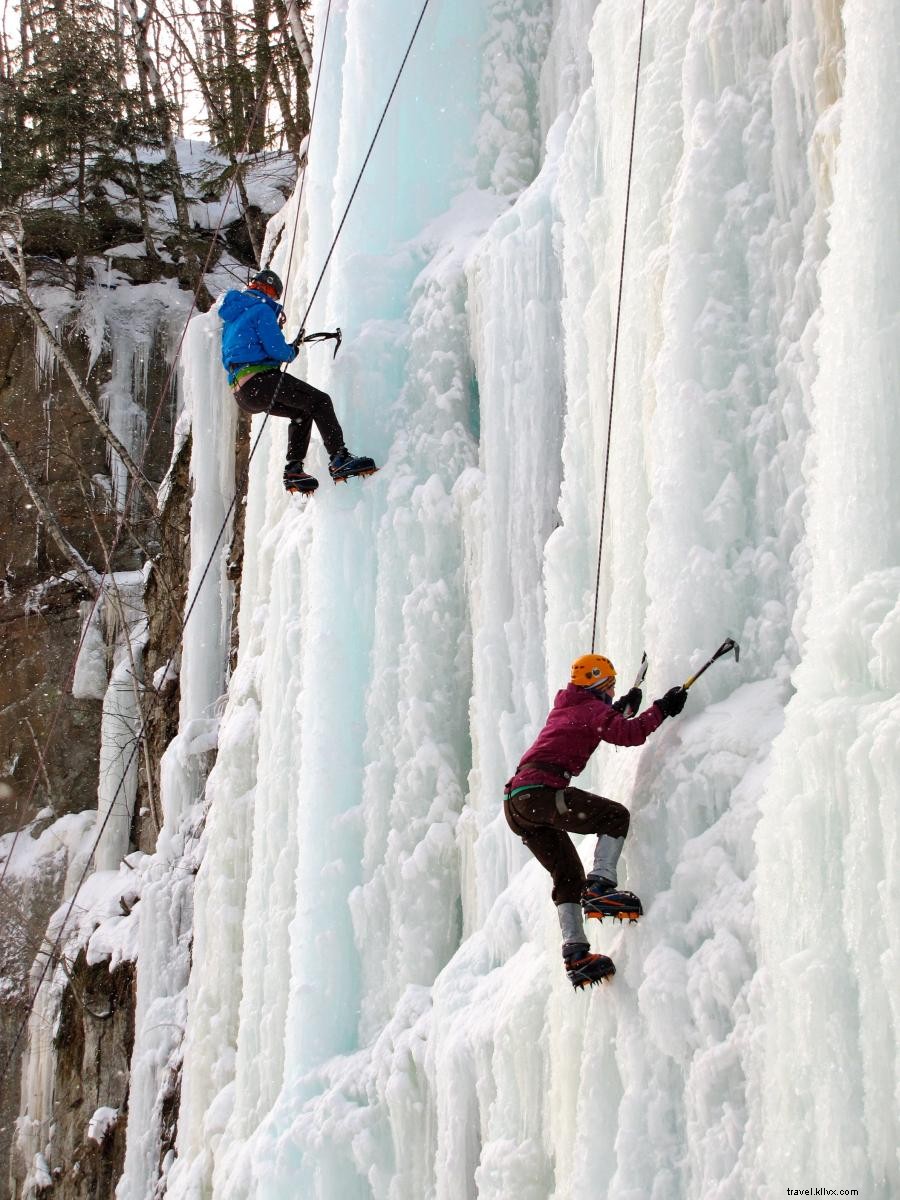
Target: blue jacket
[(250, 332)]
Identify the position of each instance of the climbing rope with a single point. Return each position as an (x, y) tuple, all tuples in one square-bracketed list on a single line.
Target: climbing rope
[(312, 123), (51, 955), (362, 169), (612, 384)]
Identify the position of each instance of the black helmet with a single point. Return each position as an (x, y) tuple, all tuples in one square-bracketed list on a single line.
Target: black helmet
[(268, 279)]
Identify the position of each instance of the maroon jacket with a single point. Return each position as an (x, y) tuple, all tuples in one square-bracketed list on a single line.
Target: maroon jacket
[(579, 721)]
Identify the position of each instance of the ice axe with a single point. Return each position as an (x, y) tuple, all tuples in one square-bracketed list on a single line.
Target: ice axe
[(336, 337), (726, 648), (638, 680)]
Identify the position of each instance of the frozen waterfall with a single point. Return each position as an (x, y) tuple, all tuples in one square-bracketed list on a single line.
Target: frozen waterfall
[(376, 1005)]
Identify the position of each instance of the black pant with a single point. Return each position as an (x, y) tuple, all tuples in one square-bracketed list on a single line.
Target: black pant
[(303, 405), (535, 816)]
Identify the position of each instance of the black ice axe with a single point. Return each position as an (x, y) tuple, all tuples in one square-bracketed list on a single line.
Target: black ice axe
[(638, 680), (336, 337), (726, 648)]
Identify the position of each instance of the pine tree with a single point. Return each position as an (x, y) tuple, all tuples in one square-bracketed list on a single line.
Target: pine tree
[(67, 113)]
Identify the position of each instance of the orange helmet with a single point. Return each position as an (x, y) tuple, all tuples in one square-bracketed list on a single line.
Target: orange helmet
[(593, 671)]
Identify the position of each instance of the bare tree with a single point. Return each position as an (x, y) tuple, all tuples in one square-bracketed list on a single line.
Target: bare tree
[(298, 31), (87, 576), (218, 118), (151, 85)]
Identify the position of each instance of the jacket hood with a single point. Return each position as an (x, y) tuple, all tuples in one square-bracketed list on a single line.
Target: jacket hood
[(235, 303)]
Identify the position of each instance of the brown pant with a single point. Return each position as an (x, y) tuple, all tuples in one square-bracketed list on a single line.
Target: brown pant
[(536, 817)]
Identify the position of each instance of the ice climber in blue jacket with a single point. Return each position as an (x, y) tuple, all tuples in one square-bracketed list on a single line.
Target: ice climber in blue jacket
[(253, 347)]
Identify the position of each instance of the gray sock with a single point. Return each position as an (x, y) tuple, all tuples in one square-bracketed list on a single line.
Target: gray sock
[(571, 922), (606, 855)]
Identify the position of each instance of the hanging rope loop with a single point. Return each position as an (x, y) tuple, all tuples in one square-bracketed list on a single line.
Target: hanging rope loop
[(615, 359)]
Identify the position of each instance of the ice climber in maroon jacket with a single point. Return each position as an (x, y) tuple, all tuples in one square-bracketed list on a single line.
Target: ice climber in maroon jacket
[(543, 809)]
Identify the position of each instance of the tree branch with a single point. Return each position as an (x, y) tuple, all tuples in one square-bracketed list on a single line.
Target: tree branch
[(300, 38), (11, 226), (87, 576)]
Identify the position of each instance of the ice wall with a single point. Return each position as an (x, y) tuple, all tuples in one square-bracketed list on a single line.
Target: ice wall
[(121, 608), (376, 1006), (167, 877), (827, 840)]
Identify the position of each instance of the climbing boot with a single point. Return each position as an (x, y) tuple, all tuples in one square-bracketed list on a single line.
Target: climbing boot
[(583, 968), (601, 898), (344, 465), (296, 479)]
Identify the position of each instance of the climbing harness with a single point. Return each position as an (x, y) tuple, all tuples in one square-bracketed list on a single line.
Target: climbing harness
[(612, 384)]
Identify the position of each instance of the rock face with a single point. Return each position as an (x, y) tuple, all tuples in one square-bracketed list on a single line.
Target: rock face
[(164, 599), (25, 905), (93, 1038), (40, 622), (49, 739), (65, 455), (93, 1041)]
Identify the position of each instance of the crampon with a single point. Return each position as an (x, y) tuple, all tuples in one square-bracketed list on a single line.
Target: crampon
[(355, 475), (610, 902), (297, 481), (585, 969), (344, 466)]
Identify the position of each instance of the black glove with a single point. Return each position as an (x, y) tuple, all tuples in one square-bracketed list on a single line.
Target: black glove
[(673, 701), (630, 702)]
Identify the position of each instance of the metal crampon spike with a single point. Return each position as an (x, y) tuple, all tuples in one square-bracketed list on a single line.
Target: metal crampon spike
[(355, 475)]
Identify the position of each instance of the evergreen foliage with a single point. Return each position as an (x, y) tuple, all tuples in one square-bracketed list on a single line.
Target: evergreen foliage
[(86, 88), (66, 101)]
